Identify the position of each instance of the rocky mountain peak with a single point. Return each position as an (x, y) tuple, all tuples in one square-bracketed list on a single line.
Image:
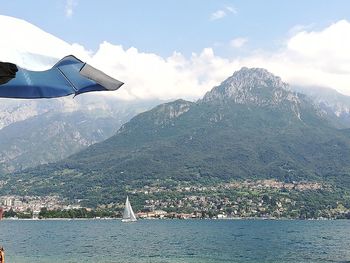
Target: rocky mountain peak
[(252, 85), (254, 77)]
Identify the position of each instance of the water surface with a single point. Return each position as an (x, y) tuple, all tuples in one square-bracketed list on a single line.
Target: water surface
[(175, 241)]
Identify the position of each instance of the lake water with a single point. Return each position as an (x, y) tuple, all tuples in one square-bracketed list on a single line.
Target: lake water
[(175, 241)]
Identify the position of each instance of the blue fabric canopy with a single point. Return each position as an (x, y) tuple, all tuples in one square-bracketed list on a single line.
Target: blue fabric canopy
[(68, 76)]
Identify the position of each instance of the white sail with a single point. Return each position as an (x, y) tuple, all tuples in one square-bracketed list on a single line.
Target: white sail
[(128, 215)]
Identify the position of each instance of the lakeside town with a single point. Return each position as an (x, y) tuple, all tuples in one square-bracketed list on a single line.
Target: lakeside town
[(268, 199)]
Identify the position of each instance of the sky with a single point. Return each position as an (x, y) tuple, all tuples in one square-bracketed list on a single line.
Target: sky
[(172, 49)]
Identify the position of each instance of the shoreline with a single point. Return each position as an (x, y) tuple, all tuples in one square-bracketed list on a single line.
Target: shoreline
[(180, 219)]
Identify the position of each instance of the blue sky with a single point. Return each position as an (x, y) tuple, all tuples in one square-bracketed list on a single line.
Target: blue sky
[(187, 26), (169, 49)]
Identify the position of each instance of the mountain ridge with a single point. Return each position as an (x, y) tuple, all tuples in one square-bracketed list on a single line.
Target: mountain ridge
[(236, 132), (39, 132)]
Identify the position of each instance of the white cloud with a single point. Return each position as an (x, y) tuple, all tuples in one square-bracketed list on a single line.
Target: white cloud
[(238, 42), (231, 9), (319, 58), (150, 76), (217, 15), (299, 28), (69, 8), (223, 12), (146, 75)]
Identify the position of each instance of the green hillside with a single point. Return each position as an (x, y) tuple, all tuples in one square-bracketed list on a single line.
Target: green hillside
[(249, 127)]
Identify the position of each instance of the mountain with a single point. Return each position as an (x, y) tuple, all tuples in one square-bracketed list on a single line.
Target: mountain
[(34, 132), (51, 137), (251, 126), (333, 105)]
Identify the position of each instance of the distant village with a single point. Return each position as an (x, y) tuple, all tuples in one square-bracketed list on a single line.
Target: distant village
[(250, 184), (30, 206), (256, 199)]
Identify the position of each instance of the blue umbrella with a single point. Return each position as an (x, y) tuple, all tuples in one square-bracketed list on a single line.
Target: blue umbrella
[(68, 76)]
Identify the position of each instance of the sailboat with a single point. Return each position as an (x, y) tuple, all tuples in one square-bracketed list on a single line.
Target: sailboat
[(128, 215)]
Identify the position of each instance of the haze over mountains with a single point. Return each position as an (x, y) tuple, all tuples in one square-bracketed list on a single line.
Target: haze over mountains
[(64, 126), (250, 126), (41, 131)]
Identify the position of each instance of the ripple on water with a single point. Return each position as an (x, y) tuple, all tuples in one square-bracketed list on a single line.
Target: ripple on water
[(176, 241)]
